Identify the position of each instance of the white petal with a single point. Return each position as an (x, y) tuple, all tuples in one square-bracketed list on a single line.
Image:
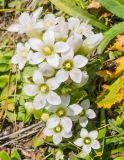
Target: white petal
[(78, 142), (83, 121), (53, 121), (19, 48), (46, 69), (66, 123), (53, 60), (52, 83), (14, 28), (68, 55), (35, 44), (27, 46), (36, 58), (90, 114), (83, 133), (24, 18), (86, 149), (49, 37), (95, 144), (52, 108), (93, 134), (73, 22), (66, 135), (38, 77), (37, 13), (16, 59), (75, 42), (30, 89), (80, 61), (22, 64), (61, 76), (39, 25), (39, 101), (85, 104), (48, 131), (53, 98), (61, 47), (29, 106), (75, 109), (76, 75), (92, 41), (65, 100), (57, 139), (49, 18), (84, 80)]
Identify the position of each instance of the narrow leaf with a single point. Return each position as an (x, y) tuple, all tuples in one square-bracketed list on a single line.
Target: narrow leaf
[(109, 35), (114, 6)]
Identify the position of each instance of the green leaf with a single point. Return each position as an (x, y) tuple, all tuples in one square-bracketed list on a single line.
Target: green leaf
[(15, 155), (37, 114), (3, 80), (75, 11), (4, 156), (111, 95), (37, 142), (11, 116), (77, 96), (4, 67), (21, 114), (28, 71), (114, 6), (112, 123), (109, 35), (119, 158)]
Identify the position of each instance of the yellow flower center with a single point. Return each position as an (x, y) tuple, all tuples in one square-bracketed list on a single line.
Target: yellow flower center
[(60, 112), (44, 88), (58, 128), (87, 140), (82, 113), (24, 54), (48, 50), (68, 65)]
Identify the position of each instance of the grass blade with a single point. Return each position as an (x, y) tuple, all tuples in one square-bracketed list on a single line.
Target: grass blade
[(109, 35), (114, 6)]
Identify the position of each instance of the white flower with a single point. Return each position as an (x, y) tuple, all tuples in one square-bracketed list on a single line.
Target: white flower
[(79, 28), (64, 109), (49, 21), (70, 67), (86, 113), (43, 90), (61, 29), (87, 140), (90, 43), (23, 54), (28, 23), (48, 49), (75, 41), (56, 127), (29, 107), (46, 69)]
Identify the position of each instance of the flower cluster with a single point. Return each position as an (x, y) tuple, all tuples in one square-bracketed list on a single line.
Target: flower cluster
[(55, 46)]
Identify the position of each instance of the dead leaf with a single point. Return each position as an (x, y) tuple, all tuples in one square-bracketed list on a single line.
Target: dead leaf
[(118, 45), (94, 4), (118, 68)]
